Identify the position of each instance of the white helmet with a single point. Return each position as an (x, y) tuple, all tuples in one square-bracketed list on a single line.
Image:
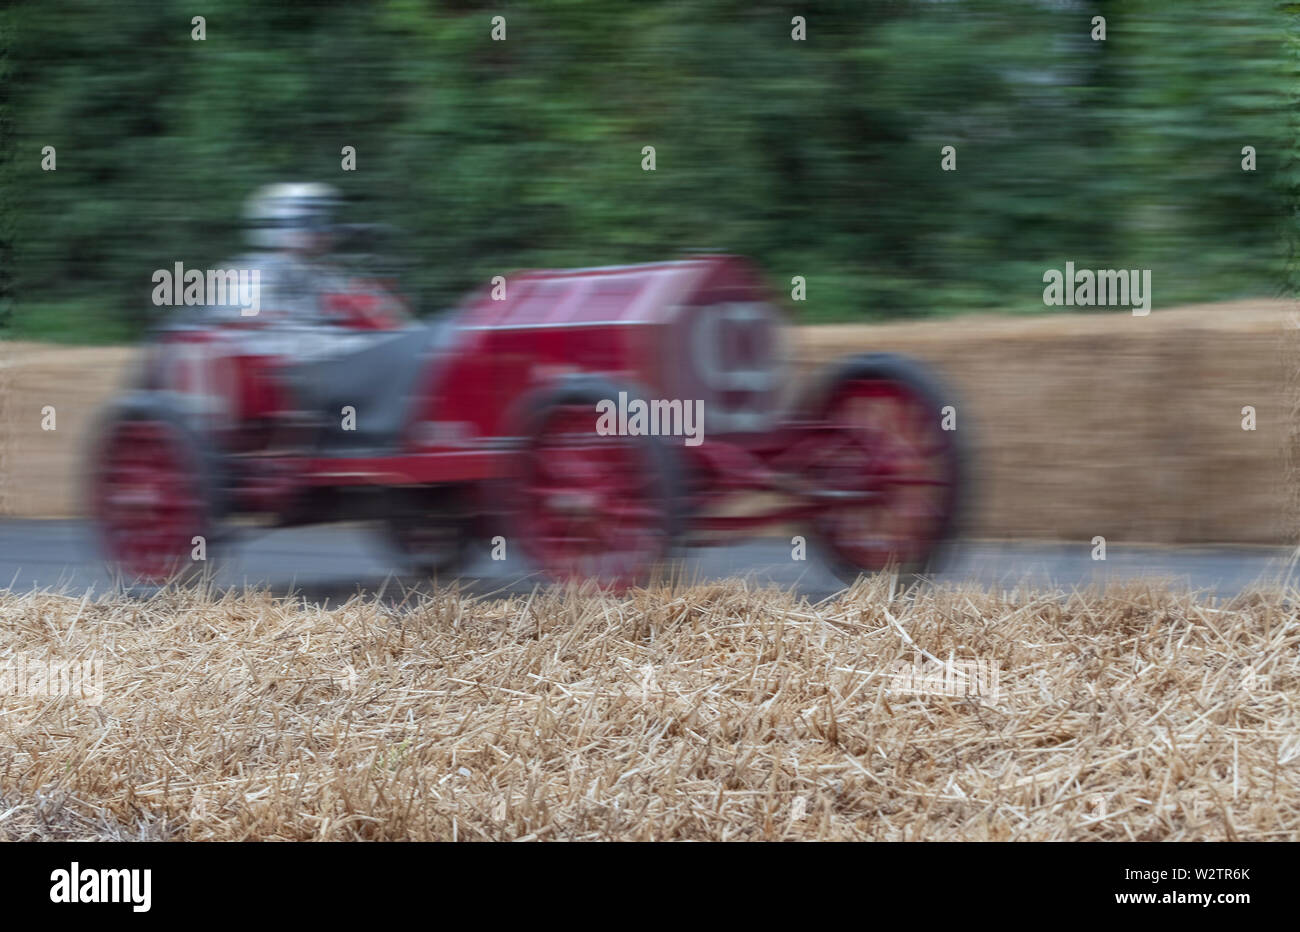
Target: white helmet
[(290, 216)]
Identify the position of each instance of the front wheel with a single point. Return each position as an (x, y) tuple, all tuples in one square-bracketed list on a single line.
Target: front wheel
[(891, 468), (588, 506), (152, 493)]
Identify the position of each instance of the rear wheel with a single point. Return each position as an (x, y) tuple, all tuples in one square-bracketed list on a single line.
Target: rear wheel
[(892, 474), (153, 494), (588, 506)]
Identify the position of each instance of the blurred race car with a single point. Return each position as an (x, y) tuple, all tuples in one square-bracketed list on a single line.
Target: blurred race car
[(597, 419)]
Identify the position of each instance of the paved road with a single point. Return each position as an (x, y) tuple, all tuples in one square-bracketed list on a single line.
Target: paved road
[(334, 562)]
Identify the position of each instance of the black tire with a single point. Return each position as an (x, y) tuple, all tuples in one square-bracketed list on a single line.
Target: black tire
[(428, 532), (661, 465), (930, 391)]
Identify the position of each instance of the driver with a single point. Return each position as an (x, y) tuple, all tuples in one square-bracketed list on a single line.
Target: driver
[(334, 336), (293, 226)]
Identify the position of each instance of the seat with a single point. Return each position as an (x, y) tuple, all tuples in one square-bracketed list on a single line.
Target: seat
[(379, 379)]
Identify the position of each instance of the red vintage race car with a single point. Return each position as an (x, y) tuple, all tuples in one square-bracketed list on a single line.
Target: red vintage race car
[(596, 419)]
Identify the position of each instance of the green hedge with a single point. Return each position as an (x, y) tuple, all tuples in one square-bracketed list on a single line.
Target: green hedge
[(820, 158)]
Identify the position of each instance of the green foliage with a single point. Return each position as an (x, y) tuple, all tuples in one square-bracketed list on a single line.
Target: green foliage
[(819, 158)]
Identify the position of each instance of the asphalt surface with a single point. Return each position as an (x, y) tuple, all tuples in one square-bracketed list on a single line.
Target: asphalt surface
[(327, 563)]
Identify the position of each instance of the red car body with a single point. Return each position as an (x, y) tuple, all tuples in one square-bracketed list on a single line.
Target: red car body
[(497, 431)]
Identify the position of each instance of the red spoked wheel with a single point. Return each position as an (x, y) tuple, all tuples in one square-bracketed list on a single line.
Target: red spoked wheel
[(150, 497), (592, 507), (889, 474)]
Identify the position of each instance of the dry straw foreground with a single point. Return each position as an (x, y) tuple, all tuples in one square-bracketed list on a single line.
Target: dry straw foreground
[(713, 712)]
